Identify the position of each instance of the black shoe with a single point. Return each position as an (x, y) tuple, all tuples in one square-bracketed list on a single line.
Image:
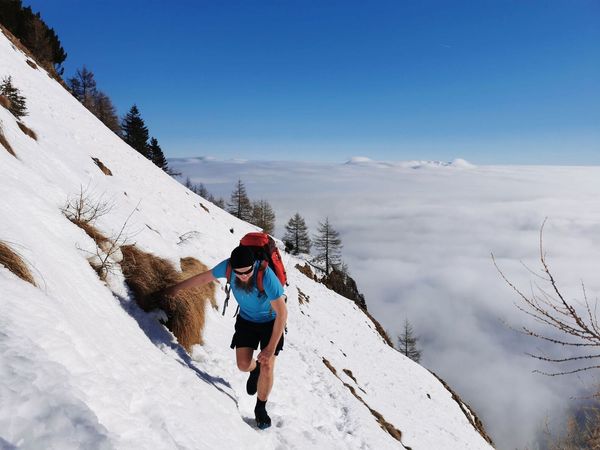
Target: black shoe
[(262, 418), (252, 383)]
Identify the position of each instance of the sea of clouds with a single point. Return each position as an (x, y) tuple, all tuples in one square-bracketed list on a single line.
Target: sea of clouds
[(417, 238)]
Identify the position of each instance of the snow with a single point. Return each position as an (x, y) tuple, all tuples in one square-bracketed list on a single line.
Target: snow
[(82, 366), (418, 243)]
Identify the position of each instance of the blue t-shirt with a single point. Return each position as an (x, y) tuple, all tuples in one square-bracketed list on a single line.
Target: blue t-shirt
[(253, 306)]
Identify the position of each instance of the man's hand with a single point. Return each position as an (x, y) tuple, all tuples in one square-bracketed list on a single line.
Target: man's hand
[(265, 354)]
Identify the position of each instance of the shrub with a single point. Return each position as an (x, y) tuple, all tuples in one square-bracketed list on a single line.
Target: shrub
[(17, 101), (85, 207), (83, 210), (13, 262), (147, 276)]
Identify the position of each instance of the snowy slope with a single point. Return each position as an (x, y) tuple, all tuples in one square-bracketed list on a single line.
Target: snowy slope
[(83, 367)]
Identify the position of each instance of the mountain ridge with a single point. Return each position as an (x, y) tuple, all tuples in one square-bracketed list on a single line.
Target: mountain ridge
[(83, 365)]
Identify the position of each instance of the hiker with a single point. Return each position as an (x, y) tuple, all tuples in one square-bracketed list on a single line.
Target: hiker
[(262, 317)]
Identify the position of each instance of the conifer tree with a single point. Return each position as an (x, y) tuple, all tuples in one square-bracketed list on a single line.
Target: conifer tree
[(220, 202), (239, 204), (83, 87), (407, 342), (263, 216), (296, 233), (156, 154), (106, 112), (33, 33), (328, 244), (135, 132), (17, 101)]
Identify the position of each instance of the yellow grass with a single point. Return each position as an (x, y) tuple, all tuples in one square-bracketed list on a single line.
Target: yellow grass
[(14, 263), (91, 231), (147, 275), (306, 270), (28, 131), (5, 102), (105, 170), (5, 144), (390, 428), (190, 267)]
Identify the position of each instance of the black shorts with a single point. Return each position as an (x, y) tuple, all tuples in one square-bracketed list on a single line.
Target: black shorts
[(249, 334)]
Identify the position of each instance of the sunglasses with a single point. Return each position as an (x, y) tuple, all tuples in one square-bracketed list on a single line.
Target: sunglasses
[(247, 272)]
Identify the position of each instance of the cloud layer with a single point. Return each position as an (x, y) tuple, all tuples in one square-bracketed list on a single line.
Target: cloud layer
[(417, 238)]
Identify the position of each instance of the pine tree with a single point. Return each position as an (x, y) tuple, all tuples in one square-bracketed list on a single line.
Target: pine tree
[(17, 101), (135, 132), (156, 154), (407, 342), (263, 216), (239, 204), (328, 245), (296, 233), (33, 33)]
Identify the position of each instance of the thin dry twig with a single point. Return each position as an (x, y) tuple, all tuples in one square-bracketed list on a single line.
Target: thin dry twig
[(549, 308)]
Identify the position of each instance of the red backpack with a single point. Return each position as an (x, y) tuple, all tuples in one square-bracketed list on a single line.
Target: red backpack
[(264, 249)]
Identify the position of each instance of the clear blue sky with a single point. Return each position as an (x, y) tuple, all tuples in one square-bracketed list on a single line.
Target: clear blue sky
[(489, 81)]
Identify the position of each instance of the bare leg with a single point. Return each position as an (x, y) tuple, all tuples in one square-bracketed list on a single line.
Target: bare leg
[(265, 380), (243, 356)]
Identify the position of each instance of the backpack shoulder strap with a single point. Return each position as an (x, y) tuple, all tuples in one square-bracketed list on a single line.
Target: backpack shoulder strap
[(227, 286), (228, 272), (261, 275)]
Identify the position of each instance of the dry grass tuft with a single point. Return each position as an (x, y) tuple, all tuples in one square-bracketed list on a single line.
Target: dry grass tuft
[(28, 131), (190, 267), (105, 170), (5, 144), (99, 264), (391, 429), (306, 270), (92, 232), (467, 411), (302, 297), (349, 373), (32, 64), (330, 366), (147, 275), (379, 329), (14, 263), (5, 102)]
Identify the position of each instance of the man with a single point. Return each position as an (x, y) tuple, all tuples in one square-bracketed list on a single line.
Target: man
[(261, 320)]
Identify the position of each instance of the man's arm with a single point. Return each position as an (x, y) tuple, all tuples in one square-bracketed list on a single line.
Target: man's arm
[(280, 309), (195, 281)]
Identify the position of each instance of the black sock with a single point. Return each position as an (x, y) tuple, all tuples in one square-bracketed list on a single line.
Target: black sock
[(260, 404)]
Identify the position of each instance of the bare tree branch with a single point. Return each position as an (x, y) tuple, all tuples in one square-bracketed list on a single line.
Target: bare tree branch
[(547, 306)]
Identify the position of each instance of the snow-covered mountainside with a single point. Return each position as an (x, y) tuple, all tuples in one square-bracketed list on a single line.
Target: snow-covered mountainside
[(82, 366)]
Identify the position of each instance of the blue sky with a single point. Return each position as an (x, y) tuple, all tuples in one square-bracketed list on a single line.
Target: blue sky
[(494, 82)]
